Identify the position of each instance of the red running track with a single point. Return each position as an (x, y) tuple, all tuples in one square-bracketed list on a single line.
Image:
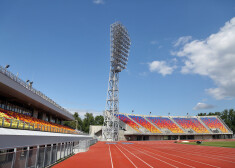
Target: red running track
[(160, 154)]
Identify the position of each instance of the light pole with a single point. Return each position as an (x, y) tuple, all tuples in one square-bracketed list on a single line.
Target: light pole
[(119, 53)]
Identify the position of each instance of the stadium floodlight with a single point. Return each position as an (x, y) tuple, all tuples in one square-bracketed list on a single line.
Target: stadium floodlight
[(119, 52), (7, 66)]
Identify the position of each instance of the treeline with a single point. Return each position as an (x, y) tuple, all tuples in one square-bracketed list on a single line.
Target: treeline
[(84, 124), (228, 116)]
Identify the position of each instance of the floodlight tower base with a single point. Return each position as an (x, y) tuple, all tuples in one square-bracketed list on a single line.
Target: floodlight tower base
[(111, 121)]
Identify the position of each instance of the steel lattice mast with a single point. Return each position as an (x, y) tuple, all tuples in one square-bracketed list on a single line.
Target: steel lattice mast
[(119, 52)]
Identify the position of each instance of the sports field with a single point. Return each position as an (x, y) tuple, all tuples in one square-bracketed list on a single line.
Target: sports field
[(151, 154), (228, 144)]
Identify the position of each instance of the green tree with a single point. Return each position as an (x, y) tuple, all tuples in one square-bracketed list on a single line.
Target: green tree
[(99, 120), (87, 121), (72, 124)]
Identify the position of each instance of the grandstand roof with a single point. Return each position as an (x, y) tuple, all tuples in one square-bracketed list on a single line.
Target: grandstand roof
[(17, 90)]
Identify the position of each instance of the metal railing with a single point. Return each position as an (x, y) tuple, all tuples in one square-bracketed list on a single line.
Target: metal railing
[(15, 78), (84, 145), (18, 124), (40, 156)]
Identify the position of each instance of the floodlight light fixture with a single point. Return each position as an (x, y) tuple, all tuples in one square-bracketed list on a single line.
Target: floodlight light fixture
[(7, 66), (120, 46)]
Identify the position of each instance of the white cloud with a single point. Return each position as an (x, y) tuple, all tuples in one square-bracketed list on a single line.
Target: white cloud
[(98, 2), (201, 106), (182, 40), (213, 57), (82, 112), (154, 42), (161, 67)]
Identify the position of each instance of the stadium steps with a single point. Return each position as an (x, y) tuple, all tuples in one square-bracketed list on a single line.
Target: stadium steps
[(229, 130), (199, 119), (154, 124), (142, 129), (185, 131), (123, 125)]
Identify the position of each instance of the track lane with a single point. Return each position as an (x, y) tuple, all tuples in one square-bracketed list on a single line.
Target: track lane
[(163, 158), (97, 156), (200, 159), (119, 159), (151, 160)]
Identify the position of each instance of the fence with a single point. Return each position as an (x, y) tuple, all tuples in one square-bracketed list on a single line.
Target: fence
[(84, 145), (40, 156), (18, 124)]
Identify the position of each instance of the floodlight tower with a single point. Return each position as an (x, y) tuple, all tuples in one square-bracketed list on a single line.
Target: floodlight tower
[(119, 52)]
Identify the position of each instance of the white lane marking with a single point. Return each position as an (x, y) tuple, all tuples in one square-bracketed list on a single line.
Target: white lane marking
[(204, 153), (137, 157), (110, 156), (163, 157), (201, 155), (189, 159), (127, 157), (156, 158)]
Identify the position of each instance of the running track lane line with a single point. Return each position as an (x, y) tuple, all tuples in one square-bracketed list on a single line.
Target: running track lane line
[(138, 158), (110, 156), (200, 155), (194, 152), (184, 158), (162, 157), (126, 157), (157, 159)]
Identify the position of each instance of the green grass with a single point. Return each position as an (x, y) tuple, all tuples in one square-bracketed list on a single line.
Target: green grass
[(229, 144)]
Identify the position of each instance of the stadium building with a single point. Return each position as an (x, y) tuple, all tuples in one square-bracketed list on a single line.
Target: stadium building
[(146, 127), (31, 130)]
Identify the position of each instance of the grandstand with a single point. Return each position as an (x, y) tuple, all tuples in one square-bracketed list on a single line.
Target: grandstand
[(31, 130), (145, 127)]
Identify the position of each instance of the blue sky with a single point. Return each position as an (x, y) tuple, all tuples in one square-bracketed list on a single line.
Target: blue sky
[(182, 58)]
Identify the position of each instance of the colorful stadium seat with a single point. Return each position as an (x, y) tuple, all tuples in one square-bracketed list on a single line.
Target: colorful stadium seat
[(191, 123), (213, 122), (129, 122), (21, 121), (163, 122), (143, 122)]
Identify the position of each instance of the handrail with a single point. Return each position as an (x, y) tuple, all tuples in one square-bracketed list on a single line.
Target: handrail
[(15, 78), (19, 124)]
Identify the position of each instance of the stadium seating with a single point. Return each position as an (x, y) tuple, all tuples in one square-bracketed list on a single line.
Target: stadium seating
[(163, 122), (213, 122), (129, 122), (21, 121), (143, 122), (191, 123)]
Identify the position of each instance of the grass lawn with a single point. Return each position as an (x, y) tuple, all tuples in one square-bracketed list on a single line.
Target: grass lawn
[(229, 144)]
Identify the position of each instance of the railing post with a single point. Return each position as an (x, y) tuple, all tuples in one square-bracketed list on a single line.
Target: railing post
[(23, 125), (60, 149), (27, 157), (44, 157), (33, 126), (14, 158), (18, 124), (56, 152), (51, 154), (37, 154)]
